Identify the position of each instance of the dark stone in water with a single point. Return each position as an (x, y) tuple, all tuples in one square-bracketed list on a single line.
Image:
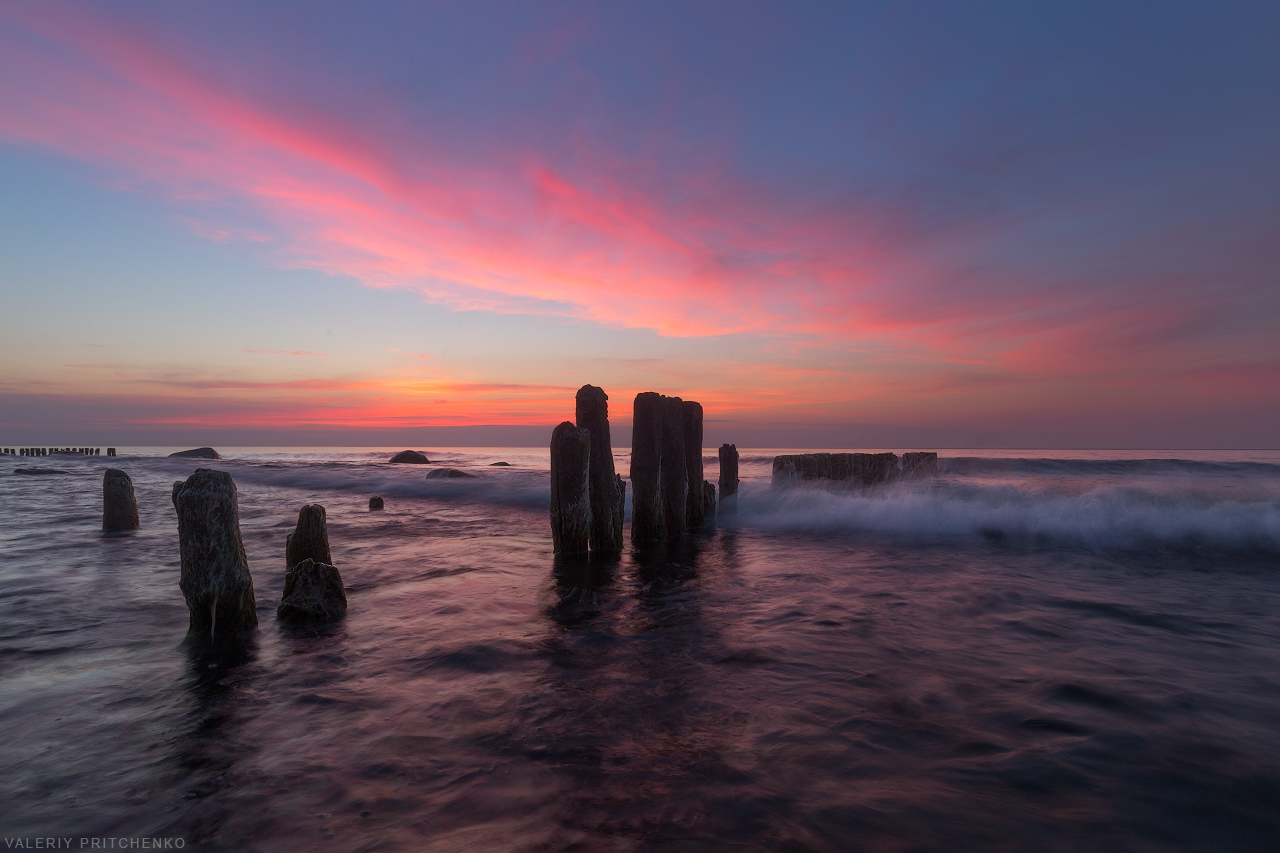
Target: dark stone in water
[(119, 506), (607, 499), (198, 453), (411, 457), (499, 464), (728, 476), (447, 474), (312, 592), (215, 577), (570, 489), (310, 539), (919, 464), (375, 502), (648, 520)]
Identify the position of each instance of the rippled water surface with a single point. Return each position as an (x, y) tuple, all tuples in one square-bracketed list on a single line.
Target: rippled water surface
[(1078, 651)]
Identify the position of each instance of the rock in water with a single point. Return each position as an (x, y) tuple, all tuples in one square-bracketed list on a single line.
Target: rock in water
[(198, 453), (215, 573), (919, 464), (607, 502), (695, 503), (309, 540), (675, 474), (728, 475), (375, 502), (119, 506), (570, 489), (499, 464), (648, 521), (448, 474), (312, 591), (411, 457)]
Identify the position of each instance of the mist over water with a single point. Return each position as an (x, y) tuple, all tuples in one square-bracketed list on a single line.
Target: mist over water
[(1029, 651)]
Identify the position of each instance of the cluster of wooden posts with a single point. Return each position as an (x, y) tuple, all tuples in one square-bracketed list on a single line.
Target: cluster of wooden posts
[(55, 451), (669, 497), (215, 578)]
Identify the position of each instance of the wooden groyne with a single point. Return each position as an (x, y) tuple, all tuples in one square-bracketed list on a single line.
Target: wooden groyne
[(55, 451), (852, 469)]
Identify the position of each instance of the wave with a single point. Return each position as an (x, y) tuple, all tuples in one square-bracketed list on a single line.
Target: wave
[(979, 465), (502, 486), (1104, 518)]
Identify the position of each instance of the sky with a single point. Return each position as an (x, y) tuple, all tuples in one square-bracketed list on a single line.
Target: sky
[(891, 224)]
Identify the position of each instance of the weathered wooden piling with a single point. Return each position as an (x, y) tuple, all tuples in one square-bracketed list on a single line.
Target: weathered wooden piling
[(847, 469), (119, 506), (669, 495), (648, 519), (919, 464), (675, 474), (215, 577), (312, 592), (695, 500), (607, 490), (728, 477), (570, 489), (111, 451), (310, 538)]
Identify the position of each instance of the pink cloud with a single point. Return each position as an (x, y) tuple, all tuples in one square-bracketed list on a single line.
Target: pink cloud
[(512, 232)]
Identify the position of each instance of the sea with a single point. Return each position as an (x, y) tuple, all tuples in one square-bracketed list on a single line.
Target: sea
[(1031, 651)]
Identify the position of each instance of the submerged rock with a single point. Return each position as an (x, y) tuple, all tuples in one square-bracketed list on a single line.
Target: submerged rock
[(310, 539), (312, 592), (411, 457), (375, 502), (607, 499), (119, 506), (447, 474), (198, 453), (499, 464), (215, 577), (570, 489)]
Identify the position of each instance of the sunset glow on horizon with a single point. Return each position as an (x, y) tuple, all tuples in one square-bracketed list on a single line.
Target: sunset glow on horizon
[(1021, 228)]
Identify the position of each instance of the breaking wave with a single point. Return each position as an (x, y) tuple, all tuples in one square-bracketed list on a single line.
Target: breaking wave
[(1105, 517)]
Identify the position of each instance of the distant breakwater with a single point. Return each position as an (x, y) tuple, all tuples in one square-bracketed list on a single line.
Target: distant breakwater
[(55, 451)]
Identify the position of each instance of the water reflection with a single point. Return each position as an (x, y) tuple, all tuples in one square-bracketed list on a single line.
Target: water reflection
[(219, 677), (582, 585)]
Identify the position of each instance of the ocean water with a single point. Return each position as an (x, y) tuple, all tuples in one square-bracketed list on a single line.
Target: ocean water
[(1031, 651)]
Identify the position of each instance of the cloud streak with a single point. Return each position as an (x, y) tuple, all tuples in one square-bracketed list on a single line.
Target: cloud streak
[(977, 271)]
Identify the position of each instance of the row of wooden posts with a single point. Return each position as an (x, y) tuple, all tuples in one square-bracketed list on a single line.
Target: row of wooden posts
[(55, 451), (669, 495)]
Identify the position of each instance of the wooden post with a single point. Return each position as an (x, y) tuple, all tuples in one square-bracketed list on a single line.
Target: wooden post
[(570, 489)]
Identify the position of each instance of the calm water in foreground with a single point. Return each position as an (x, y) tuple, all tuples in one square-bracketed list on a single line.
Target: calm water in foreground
[(1078, 651)]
